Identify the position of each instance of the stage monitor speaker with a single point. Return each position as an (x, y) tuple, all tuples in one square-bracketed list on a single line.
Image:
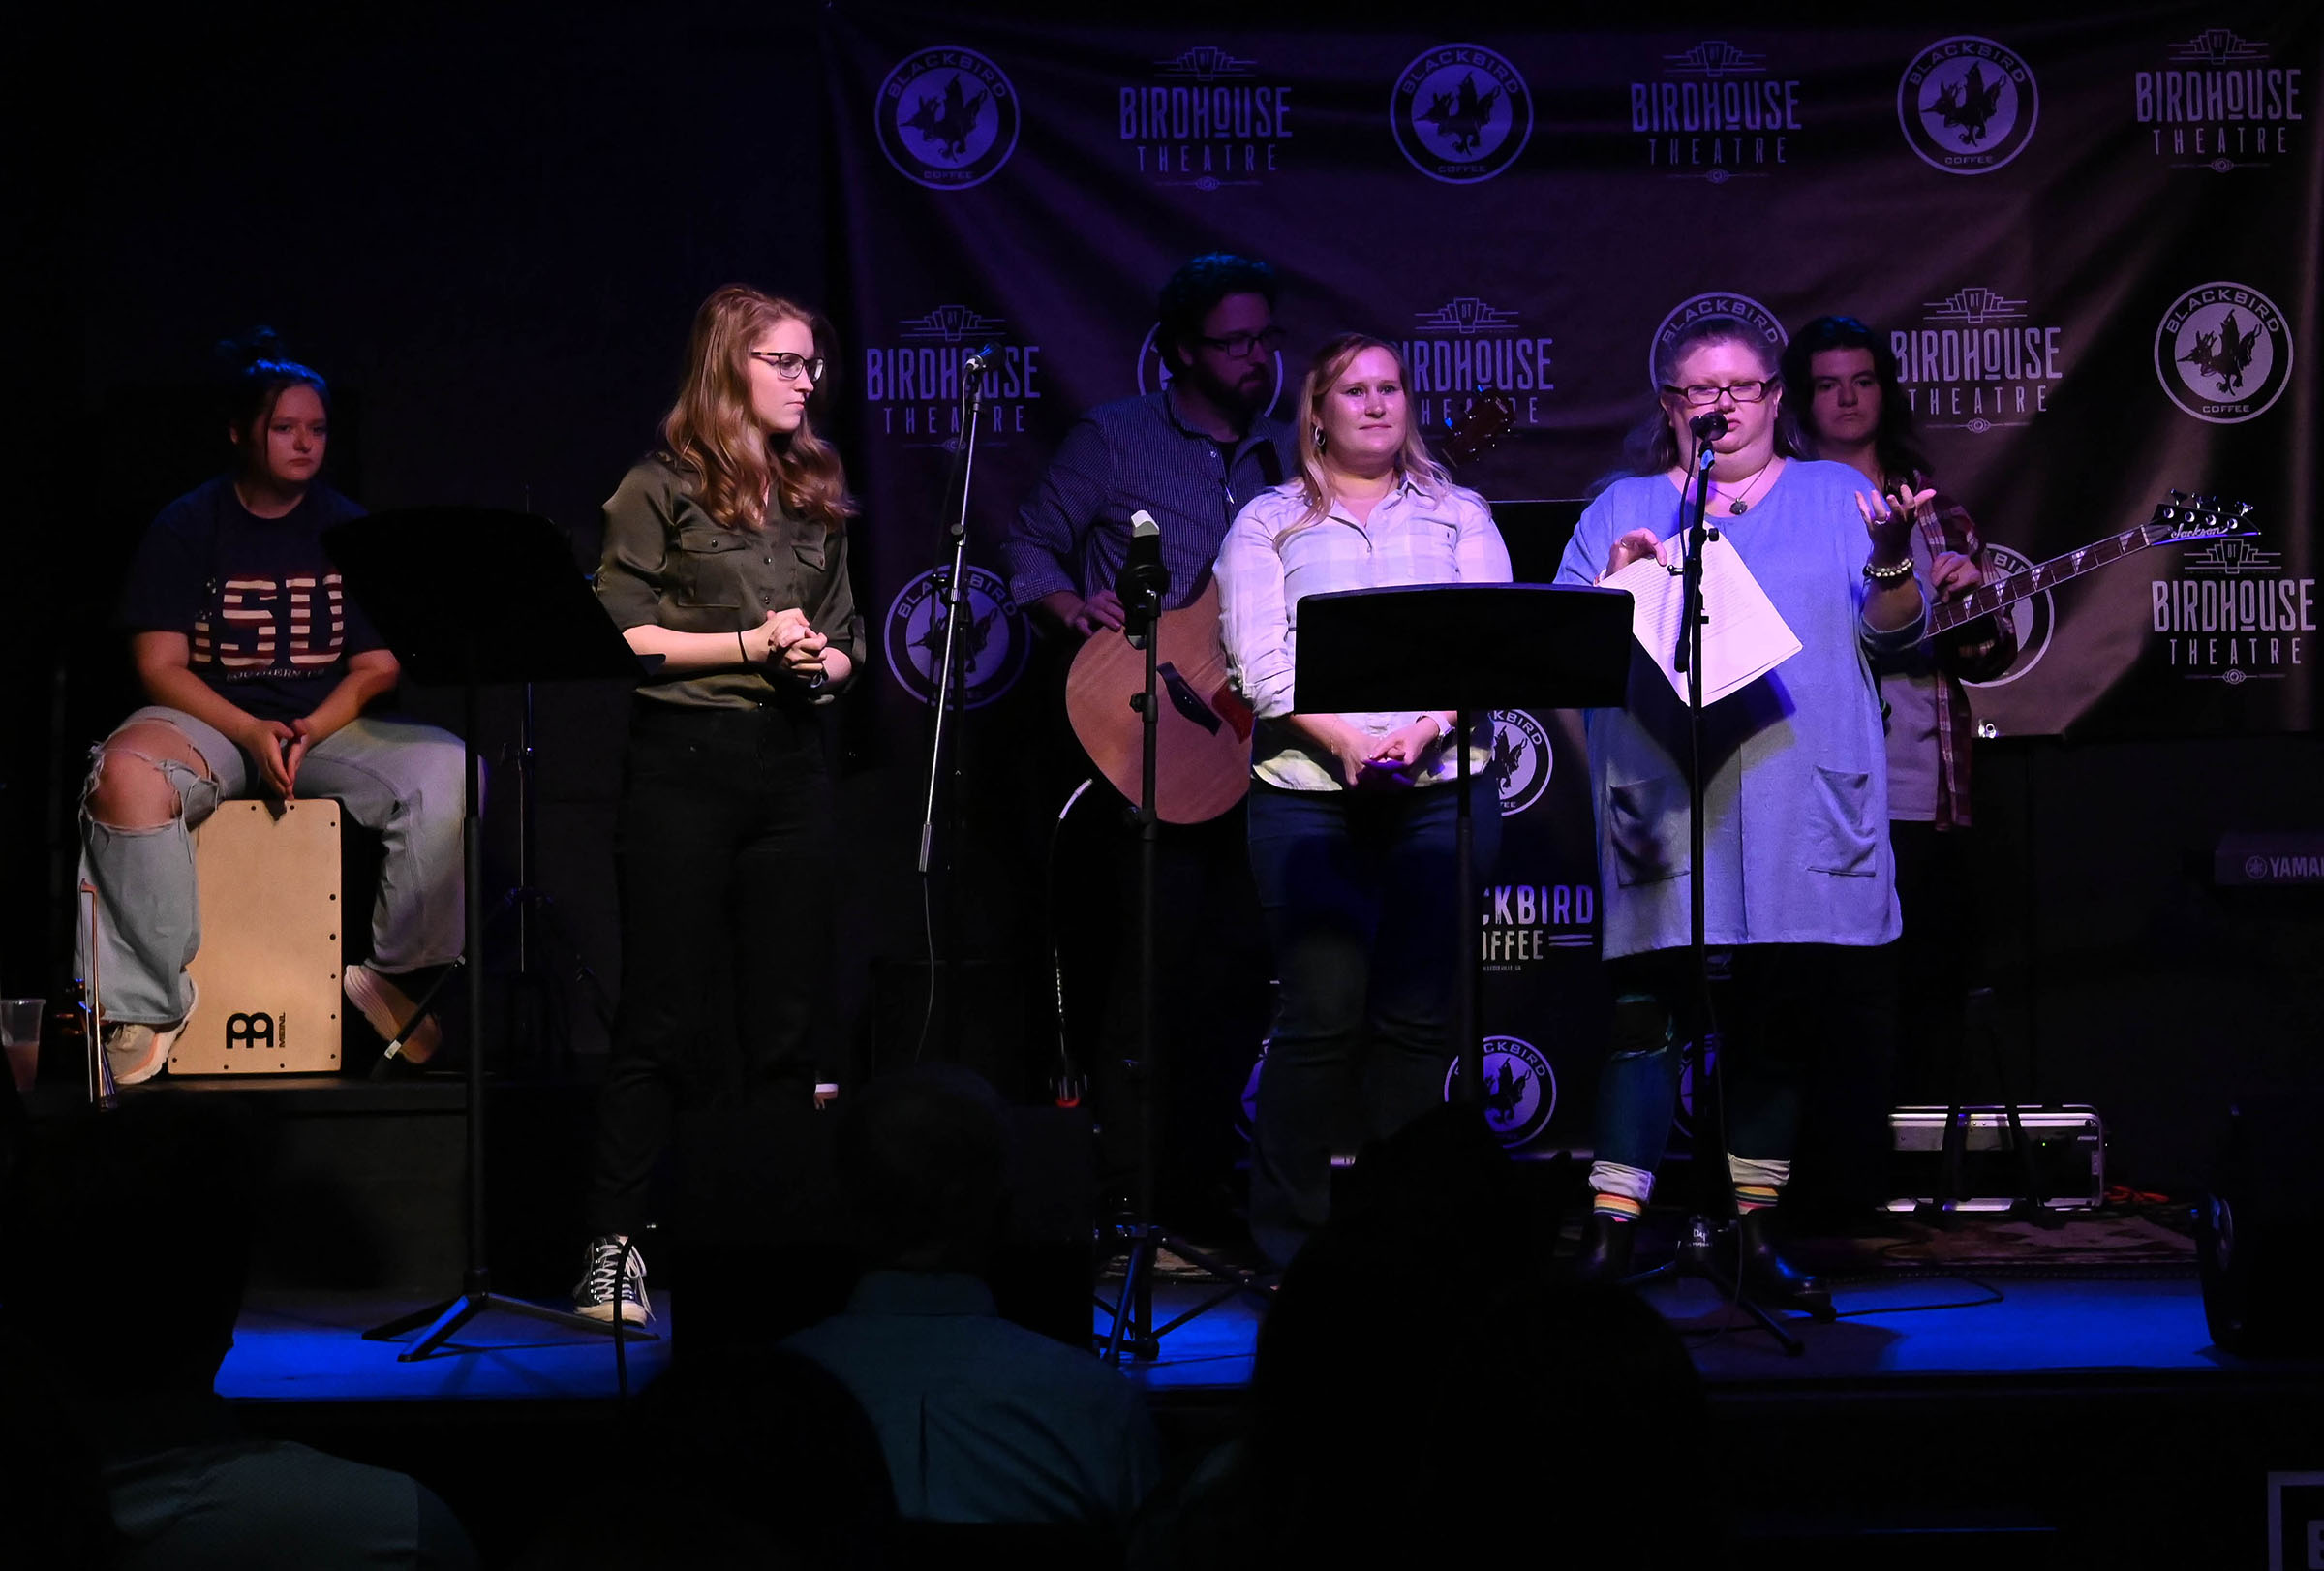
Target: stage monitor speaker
[(2259, 1229)]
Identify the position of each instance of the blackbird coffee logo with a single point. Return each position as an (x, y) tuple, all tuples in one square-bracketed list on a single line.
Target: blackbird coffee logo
[(947, 118), (1967, 105), (1461, 114), (1718, 303), (1521, 759), (1520, 1089), (2033, 618), (1205, 122), (2225, 353), (993, 639), (1154, 373)]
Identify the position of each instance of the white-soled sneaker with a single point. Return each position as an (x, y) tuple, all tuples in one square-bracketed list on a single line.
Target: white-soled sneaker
[(136, 1052), (386, 1007), (608, 1284)]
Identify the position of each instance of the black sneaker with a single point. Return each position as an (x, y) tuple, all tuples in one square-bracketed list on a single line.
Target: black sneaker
[(613, 1275)]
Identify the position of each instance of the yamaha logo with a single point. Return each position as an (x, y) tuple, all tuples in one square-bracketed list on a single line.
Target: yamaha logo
[(1717, 304), (1521, 759), (2035, 618), (1154, 373), (1968, 105), (1520, 1089), (2225, 353), (1461, 114), (947, 118)]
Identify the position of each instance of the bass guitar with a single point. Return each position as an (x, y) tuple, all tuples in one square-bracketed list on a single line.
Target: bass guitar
[(2176, 520)]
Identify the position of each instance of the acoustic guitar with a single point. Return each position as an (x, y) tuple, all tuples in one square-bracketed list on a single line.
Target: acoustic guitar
[(1203, 735)]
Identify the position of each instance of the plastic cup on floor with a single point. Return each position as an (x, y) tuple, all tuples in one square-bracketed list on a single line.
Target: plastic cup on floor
[(20, 1035)]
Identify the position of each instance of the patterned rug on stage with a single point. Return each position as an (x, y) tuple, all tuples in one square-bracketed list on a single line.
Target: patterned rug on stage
[(2094, 1244)]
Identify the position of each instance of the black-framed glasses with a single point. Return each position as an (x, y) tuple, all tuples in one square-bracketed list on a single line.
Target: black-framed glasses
[(790, 367), (1238, 346), (1703, 395)]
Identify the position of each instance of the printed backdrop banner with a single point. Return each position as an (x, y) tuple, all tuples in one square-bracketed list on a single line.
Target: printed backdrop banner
[(2094, 244)]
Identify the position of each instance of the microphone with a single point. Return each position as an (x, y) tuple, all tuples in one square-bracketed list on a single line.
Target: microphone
[(1708, 427), (1144, 580), (982, 361)]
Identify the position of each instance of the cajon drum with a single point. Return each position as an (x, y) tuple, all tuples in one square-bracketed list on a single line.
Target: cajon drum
[(268, 970)]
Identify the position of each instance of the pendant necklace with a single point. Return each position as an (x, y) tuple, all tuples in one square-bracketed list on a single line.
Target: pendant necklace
[(1738, 506)]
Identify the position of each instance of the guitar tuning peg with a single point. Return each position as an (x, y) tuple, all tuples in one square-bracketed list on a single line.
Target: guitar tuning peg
[(2177, 496)]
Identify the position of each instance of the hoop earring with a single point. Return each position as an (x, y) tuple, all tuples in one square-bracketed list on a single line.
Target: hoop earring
[(1318, 439)]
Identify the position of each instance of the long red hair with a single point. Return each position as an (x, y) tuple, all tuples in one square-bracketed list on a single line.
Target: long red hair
[(710, 434)]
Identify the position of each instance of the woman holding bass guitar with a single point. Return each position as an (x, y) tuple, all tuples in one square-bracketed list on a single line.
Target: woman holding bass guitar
[(1351, 828)]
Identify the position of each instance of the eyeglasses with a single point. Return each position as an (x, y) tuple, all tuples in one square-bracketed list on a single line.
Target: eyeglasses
[(790, 367), (1702, 397), (1238, 346)]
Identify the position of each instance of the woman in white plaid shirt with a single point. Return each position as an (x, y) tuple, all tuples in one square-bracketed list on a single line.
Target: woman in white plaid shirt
[(1352, 844)]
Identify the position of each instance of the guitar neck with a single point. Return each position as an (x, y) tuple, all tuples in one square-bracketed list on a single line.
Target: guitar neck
[(1986, 598)]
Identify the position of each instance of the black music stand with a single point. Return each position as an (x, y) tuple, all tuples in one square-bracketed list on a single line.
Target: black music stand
[(1491, 646), (465, 596)]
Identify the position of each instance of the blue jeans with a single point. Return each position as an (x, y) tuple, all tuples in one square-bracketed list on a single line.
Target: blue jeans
[(1358, 890), (398, 777)]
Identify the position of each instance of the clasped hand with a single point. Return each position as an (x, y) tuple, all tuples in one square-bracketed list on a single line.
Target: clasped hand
[(278, 749), (1367, 763), (787, 641)]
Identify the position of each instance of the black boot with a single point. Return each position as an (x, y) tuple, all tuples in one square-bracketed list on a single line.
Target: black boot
[(1604, 1256), (1770, 1278)]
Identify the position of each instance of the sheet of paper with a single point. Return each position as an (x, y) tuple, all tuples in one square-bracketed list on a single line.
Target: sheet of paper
[(1744, 638)]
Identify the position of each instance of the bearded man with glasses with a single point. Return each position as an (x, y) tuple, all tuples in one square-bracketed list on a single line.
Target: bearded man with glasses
[(1191, 453)]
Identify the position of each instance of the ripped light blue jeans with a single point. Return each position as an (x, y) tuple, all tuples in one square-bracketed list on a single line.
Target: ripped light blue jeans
[(398, 777)]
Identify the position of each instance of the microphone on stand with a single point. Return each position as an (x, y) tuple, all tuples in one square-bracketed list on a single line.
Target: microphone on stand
[(1142, 580), (982, 361), (1708, 427)]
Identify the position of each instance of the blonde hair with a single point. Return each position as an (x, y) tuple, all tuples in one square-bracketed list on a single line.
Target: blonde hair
[(1414, 462), (711, 433)]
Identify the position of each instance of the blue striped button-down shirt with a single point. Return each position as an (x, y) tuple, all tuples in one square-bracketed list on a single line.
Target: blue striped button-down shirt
[(1074, 531)]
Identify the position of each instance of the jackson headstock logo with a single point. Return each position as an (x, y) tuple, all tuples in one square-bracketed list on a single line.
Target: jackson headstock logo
[(2225, 353), (1977, 361), (1520, 1089), (1716, 115), (1203, 123), (2218, 106), (947, 118), (2233, 614), (992, 634), (1718, 303), (1968, 105), (1460, 114), (1470, 347), (1521, 759), (1154, 372), (2034, 617), (912, 383)]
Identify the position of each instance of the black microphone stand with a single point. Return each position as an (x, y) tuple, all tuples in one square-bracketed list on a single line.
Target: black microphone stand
[(1140, 589), (1697, 1243), (953, 585)]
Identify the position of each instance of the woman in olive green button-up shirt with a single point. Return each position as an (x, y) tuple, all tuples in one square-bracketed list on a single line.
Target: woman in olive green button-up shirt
[(725, 567)]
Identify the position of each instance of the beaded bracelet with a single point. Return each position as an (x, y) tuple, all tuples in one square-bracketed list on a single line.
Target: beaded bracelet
[(1896, 572)]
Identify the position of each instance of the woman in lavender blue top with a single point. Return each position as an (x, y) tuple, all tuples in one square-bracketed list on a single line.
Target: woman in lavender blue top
[(1352, 839), (1800, 878)]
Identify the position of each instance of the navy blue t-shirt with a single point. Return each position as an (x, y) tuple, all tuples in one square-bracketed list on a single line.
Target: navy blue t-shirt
[(259, 599)]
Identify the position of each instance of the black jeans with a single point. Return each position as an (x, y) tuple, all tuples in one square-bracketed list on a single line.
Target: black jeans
[(1358, 887), (724, 854)]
